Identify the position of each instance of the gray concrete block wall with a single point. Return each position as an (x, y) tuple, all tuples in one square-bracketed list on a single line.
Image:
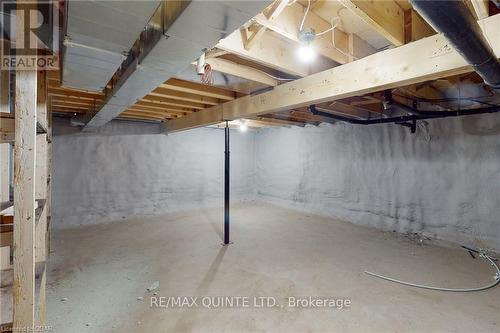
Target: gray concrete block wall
[(106, 176), (443, 181)]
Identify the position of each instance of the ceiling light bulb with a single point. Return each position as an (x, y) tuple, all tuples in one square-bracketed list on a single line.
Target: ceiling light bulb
[(243, 126), (306, 53)]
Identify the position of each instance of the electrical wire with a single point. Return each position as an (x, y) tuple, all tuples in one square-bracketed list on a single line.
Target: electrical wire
[(277, 78), (334, 25), (305, 14), (481, 254), (333, 39)]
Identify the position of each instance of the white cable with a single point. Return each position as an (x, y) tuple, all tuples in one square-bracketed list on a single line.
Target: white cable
[(482, 255), (305, 14), (334, 25), (277, 78), (333, 38)]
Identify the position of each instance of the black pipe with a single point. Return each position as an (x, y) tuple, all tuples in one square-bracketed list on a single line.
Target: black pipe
[(418, 115), (226, 185), (454, 20)]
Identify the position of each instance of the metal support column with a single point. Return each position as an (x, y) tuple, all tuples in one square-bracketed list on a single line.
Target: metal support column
[(226, 186)]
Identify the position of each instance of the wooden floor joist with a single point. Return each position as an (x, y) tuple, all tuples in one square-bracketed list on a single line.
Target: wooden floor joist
[(426, 59)]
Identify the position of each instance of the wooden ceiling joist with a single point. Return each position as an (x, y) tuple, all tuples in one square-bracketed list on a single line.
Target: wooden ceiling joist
[(147, 114), (163, 101), (386, 17), (249, 73), (74, 99), (271, 118), (199, 89), (146, 106), (426, 59), (183, 96), (479, 8), (270, 51), (66, 110), (133, 117), (155, 112), (287, 25)]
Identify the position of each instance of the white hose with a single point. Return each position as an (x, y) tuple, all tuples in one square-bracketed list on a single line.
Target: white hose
[(483, 255)]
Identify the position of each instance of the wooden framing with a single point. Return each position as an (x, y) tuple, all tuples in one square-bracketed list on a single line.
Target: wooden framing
[(415, 26), (479, 8), (423, 60), (249, 73), (32, 163), (287, 24), (24, 198), (386, 17), (270, 51), (268, 43)]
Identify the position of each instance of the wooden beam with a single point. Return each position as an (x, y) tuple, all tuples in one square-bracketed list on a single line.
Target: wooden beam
[(7, 127), (163, 113), (78, 92), (268, 118), (131, 112), (250, 35), (249, 73), (415, 26), (275, 10), (182, 96), (162, 101), (479, 8), (270, 51), (385, 17), (24, 199), (134, 117), (160, 107), (426, 59), (75, 93), (198, 89)]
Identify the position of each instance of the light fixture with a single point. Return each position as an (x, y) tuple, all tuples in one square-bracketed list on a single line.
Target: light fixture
[(243, 125), (306, 52)]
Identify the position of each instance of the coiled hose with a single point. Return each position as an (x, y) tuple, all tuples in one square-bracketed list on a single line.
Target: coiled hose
[(482, 254)]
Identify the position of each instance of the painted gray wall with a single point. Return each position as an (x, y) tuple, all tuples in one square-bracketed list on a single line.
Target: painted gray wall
[(443, 181), (106, 176)]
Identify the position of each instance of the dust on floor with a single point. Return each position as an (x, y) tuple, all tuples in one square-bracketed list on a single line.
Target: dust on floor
[(98, 276)]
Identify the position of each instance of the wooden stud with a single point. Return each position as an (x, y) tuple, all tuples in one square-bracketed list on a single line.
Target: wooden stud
[(24, 199)]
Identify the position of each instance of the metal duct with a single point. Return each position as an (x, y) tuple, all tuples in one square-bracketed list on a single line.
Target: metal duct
[(199, 26), (457, 24), (99, 36)]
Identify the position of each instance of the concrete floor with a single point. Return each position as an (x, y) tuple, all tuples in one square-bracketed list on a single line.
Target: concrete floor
[(101, 270)]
